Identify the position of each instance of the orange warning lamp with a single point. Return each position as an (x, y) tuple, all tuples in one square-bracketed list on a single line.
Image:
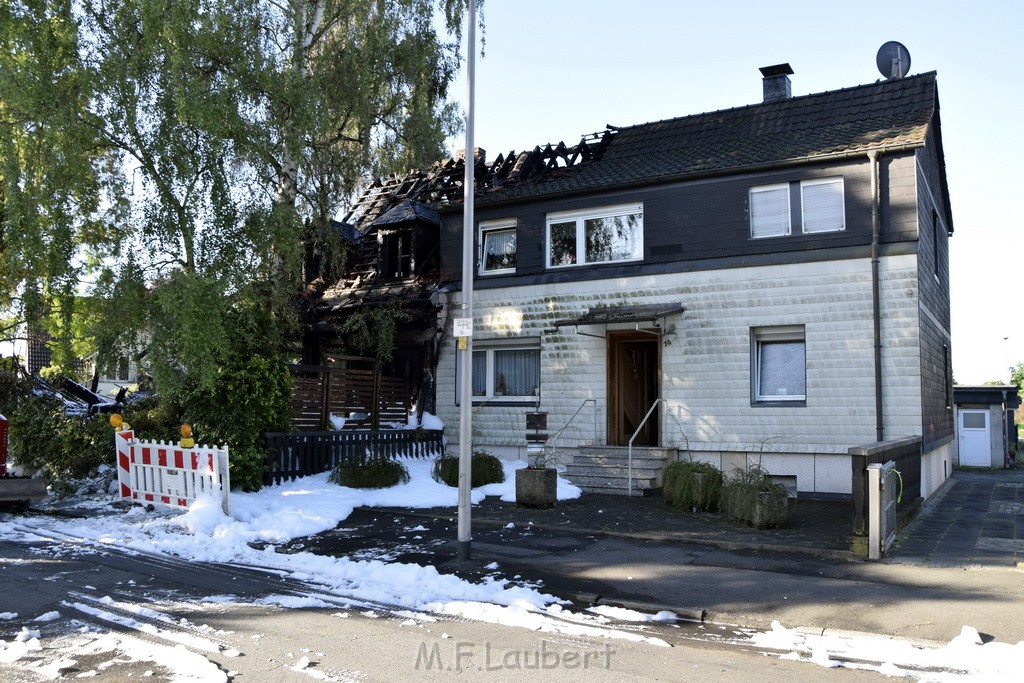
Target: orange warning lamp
[(186, 437)]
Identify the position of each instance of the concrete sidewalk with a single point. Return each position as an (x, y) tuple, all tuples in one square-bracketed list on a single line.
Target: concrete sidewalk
[(948, 569)]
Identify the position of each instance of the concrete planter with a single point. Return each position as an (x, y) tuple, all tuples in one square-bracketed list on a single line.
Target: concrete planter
[(536, 488), (771, 509)]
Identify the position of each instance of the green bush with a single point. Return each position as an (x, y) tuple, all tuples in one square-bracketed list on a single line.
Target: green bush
[(251, 396), (689, 485), (750, 496), (377, 472), (485, 469), (154, 419), (41, 436)]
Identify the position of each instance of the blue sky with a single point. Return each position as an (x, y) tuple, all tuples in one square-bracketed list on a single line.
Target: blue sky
[(556, 69)]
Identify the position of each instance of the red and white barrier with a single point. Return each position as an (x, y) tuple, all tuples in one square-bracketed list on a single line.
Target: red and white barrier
[(167, 474)]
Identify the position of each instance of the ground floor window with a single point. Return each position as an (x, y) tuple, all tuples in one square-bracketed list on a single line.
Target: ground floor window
[(506, 371), (778, 364)]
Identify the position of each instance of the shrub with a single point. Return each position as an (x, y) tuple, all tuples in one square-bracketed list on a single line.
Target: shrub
[(377, 472), (750, 496), (154, 418), (485, 468), (691, 485), (43, 437), (251, 396)]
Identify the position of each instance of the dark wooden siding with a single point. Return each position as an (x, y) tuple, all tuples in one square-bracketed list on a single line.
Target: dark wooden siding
[(933, 285), (694, 225)]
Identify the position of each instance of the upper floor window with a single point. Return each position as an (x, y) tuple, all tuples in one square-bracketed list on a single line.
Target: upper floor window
[(498, 247), (396, 254), (821, 203), (821, 208), (611, 233), (779, 364), (769, 210)]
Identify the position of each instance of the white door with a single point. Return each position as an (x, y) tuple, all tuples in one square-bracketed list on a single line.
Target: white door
[(975, 444)]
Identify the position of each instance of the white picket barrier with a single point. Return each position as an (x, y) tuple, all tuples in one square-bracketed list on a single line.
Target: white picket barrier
[(167, 474)]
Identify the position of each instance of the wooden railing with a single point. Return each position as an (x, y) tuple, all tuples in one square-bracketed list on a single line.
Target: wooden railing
[(321, 390), (297, 454)]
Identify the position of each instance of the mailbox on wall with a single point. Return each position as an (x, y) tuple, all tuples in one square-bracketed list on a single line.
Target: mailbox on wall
[(537, 421)]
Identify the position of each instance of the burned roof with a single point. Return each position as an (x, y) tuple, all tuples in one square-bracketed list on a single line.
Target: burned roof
[(886, 114), (851, 121), (408, 211)]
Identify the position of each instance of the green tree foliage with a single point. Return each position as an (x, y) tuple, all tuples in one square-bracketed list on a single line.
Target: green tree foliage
[(57, 190), (373, 330), (1017, 376), (161, 162)]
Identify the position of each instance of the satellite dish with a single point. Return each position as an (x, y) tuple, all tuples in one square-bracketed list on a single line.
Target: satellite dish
[(893, 60)]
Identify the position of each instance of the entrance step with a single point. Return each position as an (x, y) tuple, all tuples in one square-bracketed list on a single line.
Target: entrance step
[(605, 469)]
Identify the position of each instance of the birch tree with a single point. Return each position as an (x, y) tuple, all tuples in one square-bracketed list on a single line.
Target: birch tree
[(58, 188)]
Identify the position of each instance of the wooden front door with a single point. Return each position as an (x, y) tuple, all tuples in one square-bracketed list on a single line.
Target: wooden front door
[(633, 386)]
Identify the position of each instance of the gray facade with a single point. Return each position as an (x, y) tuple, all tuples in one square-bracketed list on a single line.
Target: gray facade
[(798, 248), (698, 251)]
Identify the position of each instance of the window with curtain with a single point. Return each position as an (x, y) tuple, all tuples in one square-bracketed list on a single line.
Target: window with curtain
[(506, 372), (498, 247), (822, 206), (778, 357), (602, 235)]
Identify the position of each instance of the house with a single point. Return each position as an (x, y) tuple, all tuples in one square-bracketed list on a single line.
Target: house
[(765, 285), (985, 425), (391, 276)]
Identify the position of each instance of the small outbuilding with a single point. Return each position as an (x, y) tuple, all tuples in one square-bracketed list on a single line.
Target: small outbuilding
[(985, 425)]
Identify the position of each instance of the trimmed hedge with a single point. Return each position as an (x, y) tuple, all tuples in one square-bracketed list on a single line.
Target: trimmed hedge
[(378, 472), (485, 468)]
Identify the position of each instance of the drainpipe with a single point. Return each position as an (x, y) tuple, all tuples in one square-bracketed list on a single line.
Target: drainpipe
[(876, 308)]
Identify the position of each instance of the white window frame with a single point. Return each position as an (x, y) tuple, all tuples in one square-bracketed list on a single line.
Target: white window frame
[(778, 228), (580, 217), (489, 347), (486, 228), (810, 230), (116, 365), (759, 336)]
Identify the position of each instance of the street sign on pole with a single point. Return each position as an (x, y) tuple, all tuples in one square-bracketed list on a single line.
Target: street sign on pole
[(465, 318)]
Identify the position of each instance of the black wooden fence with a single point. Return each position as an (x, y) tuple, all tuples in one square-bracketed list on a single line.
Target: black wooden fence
[(907, 455), (296, 454)]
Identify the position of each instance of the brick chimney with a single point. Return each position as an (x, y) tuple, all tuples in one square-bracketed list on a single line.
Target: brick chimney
[(776, 82), (479, 154)]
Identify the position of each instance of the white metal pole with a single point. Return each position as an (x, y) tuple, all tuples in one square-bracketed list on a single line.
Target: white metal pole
[(466, 364)]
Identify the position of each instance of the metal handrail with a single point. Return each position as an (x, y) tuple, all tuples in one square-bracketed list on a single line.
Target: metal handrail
[(657, 401), (554, 439)]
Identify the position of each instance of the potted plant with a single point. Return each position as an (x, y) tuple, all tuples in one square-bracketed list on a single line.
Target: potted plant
[(691, 485), (537, 483), (749, 495)]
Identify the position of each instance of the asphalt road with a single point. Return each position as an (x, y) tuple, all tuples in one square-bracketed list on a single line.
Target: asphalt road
[(274, 629)]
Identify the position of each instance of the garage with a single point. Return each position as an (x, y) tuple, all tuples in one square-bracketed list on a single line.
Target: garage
[(985, 425)]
